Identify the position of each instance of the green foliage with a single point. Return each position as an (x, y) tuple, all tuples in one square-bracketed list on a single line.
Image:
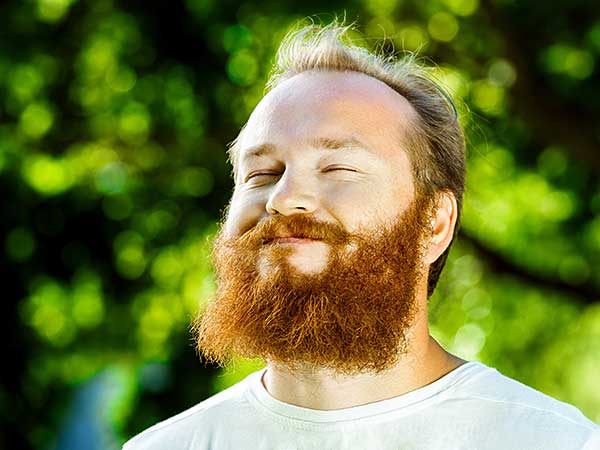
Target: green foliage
[(114, 120)]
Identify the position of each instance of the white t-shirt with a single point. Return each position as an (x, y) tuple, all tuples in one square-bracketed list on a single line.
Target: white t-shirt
[(474, 407)]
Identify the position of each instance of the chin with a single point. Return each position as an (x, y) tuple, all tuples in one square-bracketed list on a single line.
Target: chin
[(307, 265)]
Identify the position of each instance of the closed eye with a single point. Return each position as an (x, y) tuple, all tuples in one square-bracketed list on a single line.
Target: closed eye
[(335, 168), (261, 174)]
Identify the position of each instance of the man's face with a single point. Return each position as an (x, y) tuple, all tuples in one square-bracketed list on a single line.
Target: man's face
[(320, 256), (325, 145)]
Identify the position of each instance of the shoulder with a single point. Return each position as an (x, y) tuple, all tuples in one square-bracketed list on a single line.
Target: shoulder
[(517, 408), (494, 387), (593, 443), (192, 427)]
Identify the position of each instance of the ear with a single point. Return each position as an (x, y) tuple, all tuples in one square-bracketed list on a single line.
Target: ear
[(443, 221)]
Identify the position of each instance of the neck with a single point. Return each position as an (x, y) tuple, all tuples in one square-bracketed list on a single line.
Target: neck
[(314, 388)]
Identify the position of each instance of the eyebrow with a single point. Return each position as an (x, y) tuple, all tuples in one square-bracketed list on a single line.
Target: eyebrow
[(323, 143), (337, 144)]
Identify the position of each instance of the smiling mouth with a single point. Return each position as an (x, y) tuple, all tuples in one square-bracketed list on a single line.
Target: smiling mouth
[(290, 240)]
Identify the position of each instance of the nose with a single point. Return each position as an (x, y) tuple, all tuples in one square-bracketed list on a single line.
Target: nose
[(292, 194)]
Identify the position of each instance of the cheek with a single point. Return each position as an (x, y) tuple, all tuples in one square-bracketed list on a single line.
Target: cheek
[(359, 207), (244, 212)]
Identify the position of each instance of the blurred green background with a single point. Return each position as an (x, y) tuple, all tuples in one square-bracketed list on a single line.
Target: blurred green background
[(114, 119)]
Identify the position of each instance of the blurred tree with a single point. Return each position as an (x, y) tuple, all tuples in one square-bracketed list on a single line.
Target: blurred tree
[(114, 118)]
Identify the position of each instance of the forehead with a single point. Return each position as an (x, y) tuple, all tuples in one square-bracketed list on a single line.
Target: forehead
[(340, 106)]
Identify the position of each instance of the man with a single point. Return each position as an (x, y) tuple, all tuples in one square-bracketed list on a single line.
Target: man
[(349, 178)]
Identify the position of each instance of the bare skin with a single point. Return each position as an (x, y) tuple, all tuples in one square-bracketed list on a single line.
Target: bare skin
[(295, 177)]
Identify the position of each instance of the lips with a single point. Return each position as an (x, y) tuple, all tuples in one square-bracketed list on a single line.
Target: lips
[(289, 240)]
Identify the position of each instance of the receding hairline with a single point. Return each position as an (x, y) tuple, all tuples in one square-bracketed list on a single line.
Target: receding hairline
[(389, 95)]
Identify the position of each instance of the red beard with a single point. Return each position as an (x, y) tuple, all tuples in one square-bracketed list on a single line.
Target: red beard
[(351, 318)]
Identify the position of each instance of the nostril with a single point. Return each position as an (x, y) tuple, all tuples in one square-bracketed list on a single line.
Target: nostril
[(273, 212)]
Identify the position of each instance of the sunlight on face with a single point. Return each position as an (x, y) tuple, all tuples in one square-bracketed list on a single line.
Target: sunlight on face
[(328, 145)]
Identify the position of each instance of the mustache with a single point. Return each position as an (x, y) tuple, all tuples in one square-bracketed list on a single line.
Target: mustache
[(296, 225)]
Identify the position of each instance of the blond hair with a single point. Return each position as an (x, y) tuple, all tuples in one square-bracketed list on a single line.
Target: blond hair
[(437, 146)]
